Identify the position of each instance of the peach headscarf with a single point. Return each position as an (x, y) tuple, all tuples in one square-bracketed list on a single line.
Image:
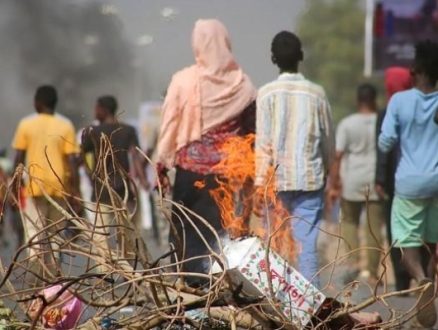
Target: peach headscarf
[(204, 95)]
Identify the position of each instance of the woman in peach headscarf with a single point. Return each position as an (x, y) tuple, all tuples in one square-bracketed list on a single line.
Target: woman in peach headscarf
[(206, 104)]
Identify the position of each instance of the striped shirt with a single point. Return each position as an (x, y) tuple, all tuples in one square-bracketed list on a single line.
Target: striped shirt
[(294, 134)]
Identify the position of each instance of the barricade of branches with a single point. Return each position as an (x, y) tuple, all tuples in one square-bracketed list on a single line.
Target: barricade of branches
[(107, 276)]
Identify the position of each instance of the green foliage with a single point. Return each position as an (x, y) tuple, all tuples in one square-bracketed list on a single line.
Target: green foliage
[(6, 318), (332, 33)]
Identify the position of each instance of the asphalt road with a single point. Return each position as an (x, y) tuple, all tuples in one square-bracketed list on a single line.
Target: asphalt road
[(355, 295), (332, 281), (74, 265)]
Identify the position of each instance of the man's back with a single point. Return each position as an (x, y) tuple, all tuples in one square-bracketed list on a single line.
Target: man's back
[(47, 140), (411, 113), (356, 136), (298, 114), (122, 138)]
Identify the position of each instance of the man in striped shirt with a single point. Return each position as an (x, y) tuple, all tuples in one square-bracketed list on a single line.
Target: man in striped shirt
[(294, 133)]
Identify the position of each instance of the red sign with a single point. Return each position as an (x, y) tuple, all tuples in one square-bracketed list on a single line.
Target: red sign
[(287, 287)]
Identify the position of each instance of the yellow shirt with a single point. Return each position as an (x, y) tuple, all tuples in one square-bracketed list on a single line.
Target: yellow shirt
[(47, 140)]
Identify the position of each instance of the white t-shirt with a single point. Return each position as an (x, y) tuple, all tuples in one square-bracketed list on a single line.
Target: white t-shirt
[(356, 137)]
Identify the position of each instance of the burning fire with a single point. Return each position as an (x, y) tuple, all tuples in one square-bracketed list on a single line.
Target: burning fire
[(199, 184), (235, 197)]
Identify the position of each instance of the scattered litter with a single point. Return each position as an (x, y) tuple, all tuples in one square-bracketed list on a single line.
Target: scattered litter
[(108, 323), (61, 314)]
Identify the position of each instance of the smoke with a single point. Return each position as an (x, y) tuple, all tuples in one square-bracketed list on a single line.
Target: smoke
[(72, 44)]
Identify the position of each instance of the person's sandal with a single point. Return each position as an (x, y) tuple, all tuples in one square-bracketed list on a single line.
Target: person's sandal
[(426, 311)]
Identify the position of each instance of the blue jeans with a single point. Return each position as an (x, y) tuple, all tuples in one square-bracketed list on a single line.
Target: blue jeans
[(307, 209)]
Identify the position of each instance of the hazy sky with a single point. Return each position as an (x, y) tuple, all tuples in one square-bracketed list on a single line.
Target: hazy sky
[(41, 29), (251, 24)]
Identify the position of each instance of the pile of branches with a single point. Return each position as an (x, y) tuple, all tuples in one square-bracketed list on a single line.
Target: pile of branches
[(159, 296)]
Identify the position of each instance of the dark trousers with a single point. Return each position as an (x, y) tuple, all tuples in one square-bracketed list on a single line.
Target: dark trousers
[(402, 277), (183, 235), (155, 230)]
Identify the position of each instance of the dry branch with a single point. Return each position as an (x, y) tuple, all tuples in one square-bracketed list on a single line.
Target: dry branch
[(158, 294)]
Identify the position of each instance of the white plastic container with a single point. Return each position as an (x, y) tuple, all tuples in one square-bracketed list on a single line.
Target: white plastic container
[(296, 298)]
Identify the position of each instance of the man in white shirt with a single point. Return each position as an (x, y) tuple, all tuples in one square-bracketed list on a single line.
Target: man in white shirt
[(355, 183)]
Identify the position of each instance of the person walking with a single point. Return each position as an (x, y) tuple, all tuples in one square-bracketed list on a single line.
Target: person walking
[(114, 147), (206, 104), (294, 132), (409, 120), (397, 79), (45, 144), (355, 184)]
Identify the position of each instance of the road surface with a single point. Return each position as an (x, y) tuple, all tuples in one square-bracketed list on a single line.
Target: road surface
[(333, 281)]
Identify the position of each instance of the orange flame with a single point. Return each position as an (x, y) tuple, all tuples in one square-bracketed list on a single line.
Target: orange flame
[(236, 192), (199, 184)]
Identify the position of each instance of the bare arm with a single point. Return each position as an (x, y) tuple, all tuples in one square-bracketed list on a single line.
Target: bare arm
[(342, 147), (138, 161), (328, 135), (335, 182), (139, 168), (73, 166), (151, 149), (20, 157), (335, 177)]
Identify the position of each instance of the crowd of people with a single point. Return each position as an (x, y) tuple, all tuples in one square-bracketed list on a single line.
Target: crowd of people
[(376, 162), (384, 164)]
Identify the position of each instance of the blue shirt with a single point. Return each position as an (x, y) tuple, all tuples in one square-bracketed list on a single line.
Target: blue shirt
[(409, 120)]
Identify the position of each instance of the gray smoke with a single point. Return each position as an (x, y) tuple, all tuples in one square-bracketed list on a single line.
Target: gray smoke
[(68, 43)]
